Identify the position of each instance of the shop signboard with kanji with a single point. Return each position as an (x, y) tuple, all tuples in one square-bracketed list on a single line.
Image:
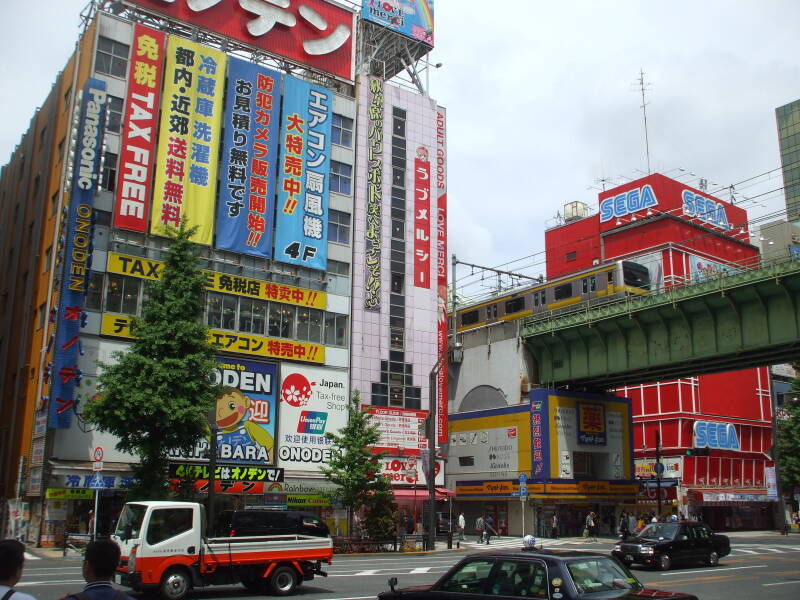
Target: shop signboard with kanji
[(315, 33), (422, 219), (374, 163), (411, 18), (244, 412), (76, 253), (313, 402), (137, 149), (441, 273), (301, 223), (229, 479), (189, 139), (591, 424), (246, 207)]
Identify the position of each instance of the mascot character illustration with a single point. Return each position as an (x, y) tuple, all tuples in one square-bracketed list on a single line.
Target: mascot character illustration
[(237, 432)]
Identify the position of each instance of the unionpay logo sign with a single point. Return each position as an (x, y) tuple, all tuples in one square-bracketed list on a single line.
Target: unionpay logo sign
[(312, 421)]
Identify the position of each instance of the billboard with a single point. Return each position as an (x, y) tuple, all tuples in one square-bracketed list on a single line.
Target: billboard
[(399, 428), (409, 470), (412, 18), (137, 149), (312, 32), (441, 273), (702, 269), (301, 224), (76, 253), (372, 233), (189, 139), (245, 413), (313, 401), (246, 208), (422, 219)]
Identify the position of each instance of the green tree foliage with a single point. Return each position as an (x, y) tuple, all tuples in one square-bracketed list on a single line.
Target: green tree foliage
[(156, 395), (381, 516), (353, 467), (789, 437)]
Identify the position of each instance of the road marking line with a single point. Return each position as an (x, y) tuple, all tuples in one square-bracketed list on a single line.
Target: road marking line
[(747, 551), (57, 582), (782, 582), (29, 556), (714, 570), (420, 570), (367, 572)]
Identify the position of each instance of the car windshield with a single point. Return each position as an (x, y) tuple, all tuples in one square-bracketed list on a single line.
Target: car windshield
[(658, 531), (602, 577), (132, 514)]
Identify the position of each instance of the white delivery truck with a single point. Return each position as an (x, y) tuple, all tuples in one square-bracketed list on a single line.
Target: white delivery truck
[(165, 547)]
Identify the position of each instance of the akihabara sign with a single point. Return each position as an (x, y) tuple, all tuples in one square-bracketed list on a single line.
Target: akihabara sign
[(309, 32), (313, 402), (244, 412)]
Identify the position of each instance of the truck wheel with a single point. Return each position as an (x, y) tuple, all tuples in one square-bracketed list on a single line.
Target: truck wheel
[(283, 581), (175, 584), (712, 560), (664, 562)]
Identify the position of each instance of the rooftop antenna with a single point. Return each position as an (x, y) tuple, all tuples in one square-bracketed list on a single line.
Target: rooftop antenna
[(642, 87)]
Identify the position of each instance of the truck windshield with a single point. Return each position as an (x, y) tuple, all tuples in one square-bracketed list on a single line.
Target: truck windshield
[(132, 514)]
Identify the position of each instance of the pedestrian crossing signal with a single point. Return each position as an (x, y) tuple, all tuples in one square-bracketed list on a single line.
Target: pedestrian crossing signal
[(698, 451)]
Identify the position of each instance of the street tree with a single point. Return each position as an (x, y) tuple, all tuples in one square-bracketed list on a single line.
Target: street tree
[(788, 437), (155, 396), (353, 466)]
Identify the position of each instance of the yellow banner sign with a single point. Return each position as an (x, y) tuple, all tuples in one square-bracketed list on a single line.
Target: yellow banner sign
[(68, 494), (504, 487), (230, 341), (189, 138), (145, 268)]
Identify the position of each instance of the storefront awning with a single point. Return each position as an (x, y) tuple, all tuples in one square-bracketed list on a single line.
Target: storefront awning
[(421, 493)]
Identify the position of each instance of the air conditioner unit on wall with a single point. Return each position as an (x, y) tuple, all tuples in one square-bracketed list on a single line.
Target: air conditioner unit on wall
[(595, 261)]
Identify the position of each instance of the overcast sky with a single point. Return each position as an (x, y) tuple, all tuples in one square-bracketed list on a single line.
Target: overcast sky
[(543, 103)]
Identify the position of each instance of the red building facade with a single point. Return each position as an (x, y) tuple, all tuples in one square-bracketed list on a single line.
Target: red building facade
[(684, 235)]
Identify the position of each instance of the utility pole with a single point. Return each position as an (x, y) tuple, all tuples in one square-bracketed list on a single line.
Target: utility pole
[(642, 87), (658, 471)]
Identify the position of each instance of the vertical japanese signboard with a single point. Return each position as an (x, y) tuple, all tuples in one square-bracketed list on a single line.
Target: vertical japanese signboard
[(441, 272), (138, 137), (372, 291), (246, 208), (591, 424), (77, 252), (539, 468), (301, 224), (189, 139), (422, 219)]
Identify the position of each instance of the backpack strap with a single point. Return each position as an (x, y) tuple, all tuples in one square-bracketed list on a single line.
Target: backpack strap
[(8, 594)]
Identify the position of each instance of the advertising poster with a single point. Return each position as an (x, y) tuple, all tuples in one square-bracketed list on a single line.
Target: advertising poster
[(301, 224), (313, 401), (189, 139), (137, 150), (422, 219), (409, 470), (76, 253), (246, 208), (245, 413), (702, 269), (441, 273), (412, 18)]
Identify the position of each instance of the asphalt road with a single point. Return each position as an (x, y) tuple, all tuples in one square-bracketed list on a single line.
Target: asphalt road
[(767, 567)]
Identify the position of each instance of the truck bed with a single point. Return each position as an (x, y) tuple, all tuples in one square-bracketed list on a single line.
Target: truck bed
[(222, 551)]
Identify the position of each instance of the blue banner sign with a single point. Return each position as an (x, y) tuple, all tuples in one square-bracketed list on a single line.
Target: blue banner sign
[(715, 434), (301, 222), (76, 257), (246, 208), (539, 436)]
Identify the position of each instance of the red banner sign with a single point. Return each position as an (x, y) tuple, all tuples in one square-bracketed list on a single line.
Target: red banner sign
[(311, 32), (441, 274), (422, 219), (131, 206)]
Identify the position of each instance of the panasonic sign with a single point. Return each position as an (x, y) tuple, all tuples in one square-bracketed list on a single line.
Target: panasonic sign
[(627, 203), (715, 434)]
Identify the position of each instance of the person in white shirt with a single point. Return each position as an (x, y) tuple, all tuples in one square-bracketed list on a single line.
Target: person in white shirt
[(462, 524), (12, 560)]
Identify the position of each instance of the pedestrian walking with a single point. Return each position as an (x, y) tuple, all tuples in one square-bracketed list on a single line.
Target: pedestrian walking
[(554, 526), (488, 528), (462, 524), (591, 527), (12, 561), (480, 526), (623, 529), (99, 565)]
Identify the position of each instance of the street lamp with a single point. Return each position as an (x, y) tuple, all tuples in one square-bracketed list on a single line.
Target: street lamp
[(431, 533)]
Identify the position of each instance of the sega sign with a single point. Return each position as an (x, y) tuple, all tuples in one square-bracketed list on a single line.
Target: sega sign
[(715, 434), (705, 209), (627, 203)]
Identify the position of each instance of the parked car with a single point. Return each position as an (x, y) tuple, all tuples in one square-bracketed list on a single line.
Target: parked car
[(567, 575), (241, 523), (663, 544)]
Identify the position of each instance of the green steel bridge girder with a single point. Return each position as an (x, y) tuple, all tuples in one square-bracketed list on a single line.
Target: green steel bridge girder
[(734, 322)]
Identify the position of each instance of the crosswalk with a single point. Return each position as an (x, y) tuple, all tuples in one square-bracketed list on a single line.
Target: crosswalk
[(29, 556), (515, 543)]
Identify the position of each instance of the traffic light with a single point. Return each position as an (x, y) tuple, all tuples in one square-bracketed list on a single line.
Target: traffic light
[(698, 451)]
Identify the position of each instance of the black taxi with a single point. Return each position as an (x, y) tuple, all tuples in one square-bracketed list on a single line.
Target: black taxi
[(556, 575)]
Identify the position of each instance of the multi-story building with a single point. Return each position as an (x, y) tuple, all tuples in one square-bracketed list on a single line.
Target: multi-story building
[(272, 139), (788, 119)]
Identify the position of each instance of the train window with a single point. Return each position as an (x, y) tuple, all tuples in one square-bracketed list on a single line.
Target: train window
[(542, 297), (611, 277), (515, 305), (562, 292), (469, 318), (536, 298), (592, 283), (585, 282), (491, 311), (635, 275)]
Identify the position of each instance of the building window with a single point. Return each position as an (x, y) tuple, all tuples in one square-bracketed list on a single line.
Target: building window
[(94, 291), (398, 229), (582, 465), (61, 150), (338, 226), (122, 294), (571, 256), (53, 204), (66, 97), (342, 131), (108, 179), (48, 255), (111, 58), (42, 316), (398, 283), (336, 267), (341, 177), (42, 136), (221, 311), (114, 119), (252, 315), (335, 329)]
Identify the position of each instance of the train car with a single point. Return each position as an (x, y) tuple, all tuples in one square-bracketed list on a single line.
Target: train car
[(609, 281)]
